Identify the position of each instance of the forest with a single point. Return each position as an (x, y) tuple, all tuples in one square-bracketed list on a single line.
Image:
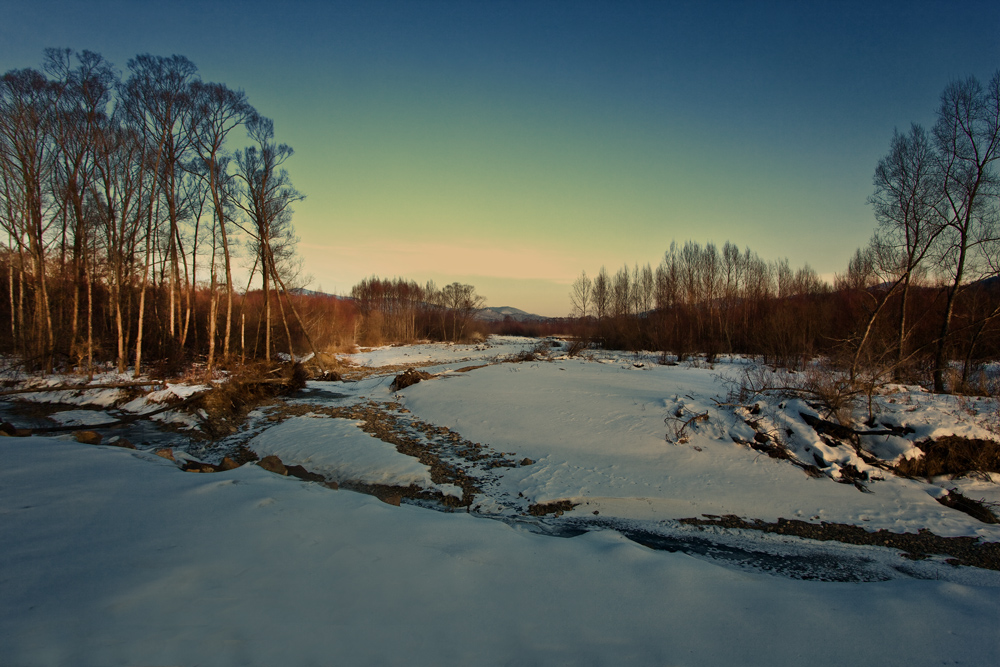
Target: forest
[(147, 219), (919, 303)]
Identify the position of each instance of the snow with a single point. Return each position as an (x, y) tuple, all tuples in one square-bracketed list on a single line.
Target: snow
[(442, 354), (82, 417), (598, 436), (339, 450), (96, 397), (115, 557)]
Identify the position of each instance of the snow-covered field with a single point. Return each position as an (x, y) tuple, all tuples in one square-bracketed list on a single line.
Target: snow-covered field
[(111, 556)]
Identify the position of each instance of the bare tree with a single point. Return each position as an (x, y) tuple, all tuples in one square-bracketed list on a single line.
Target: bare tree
[(266, 198), (157, 98), (580, 297), (80, 115), (217, 111), (967, 139), (27, 158), (907, 191), (601, 294), (463, 302)]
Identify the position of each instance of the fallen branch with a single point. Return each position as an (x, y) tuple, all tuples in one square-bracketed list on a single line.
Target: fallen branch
[(679, 425), (823, 426), (78, 387)]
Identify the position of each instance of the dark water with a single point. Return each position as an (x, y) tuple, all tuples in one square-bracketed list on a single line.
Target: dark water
[(143, 433), (795, 559)]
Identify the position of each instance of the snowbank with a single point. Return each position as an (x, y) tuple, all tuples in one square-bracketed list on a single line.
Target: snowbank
[(114, 557)]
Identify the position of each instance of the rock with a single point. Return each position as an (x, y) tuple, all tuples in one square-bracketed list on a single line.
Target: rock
[(303, 474), (6, 428), (120, 442), (165, 453), (394, 499), (198, 466), (407, 378), (526, 461), (273, 464), (87, 437), (228, 464)]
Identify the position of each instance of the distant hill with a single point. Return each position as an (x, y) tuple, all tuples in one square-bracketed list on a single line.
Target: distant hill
[(491, 314), (499, 313)]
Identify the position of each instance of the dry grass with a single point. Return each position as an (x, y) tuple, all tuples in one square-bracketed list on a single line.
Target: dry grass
[(246, 388), (576, 347), (953, 455)]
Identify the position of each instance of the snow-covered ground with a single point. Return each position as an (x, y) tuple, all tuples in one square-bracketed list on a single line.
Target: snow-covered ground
[(598, 435), (115, 557), (341, 452)]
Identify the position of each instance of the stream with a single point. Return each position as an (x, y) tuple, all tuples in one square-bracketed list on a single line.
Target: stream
[(783, 556)]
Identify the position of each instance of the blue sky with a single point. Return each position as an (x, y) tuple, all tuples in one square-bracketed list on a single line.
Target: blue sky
[(511, 145)]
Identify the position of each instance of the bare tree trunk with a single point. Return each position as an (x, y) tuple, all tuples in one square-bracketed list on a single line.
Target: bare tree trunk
[(142, 298), (901, 341), (941, 356), (20, 304), (44, 313), (298, 319), (121, 333), (212, 315), (189, 289), (284, 321), (267, 313), (13, 313), (90, 324), (229, 293)]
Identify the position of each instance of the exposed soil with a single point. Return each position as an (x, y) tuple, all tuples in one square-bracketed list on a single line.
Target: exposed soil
[(437, 447), (962, 550), (557, 508), (354, 373)]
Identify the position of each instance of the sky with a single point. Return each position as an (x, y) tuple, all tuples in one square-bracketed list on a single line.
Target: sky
[(512, 145)]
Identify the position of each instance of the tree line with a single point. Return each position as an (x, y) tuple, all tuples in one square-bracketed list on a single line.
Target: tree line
[(923, 294), (125, 208), (703, 299), (129, 201), (400, 310)]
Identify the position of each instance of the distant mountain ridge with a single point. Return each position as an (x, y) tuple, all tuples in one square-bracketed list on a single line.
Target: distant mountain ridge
[(488, 314), (500, 313)]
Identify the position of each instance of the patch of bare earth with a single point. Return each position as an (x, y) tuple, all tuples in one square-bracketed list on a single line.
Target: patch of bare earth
[(448, 455), (354, 373), (961, 550), (556, 507)]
